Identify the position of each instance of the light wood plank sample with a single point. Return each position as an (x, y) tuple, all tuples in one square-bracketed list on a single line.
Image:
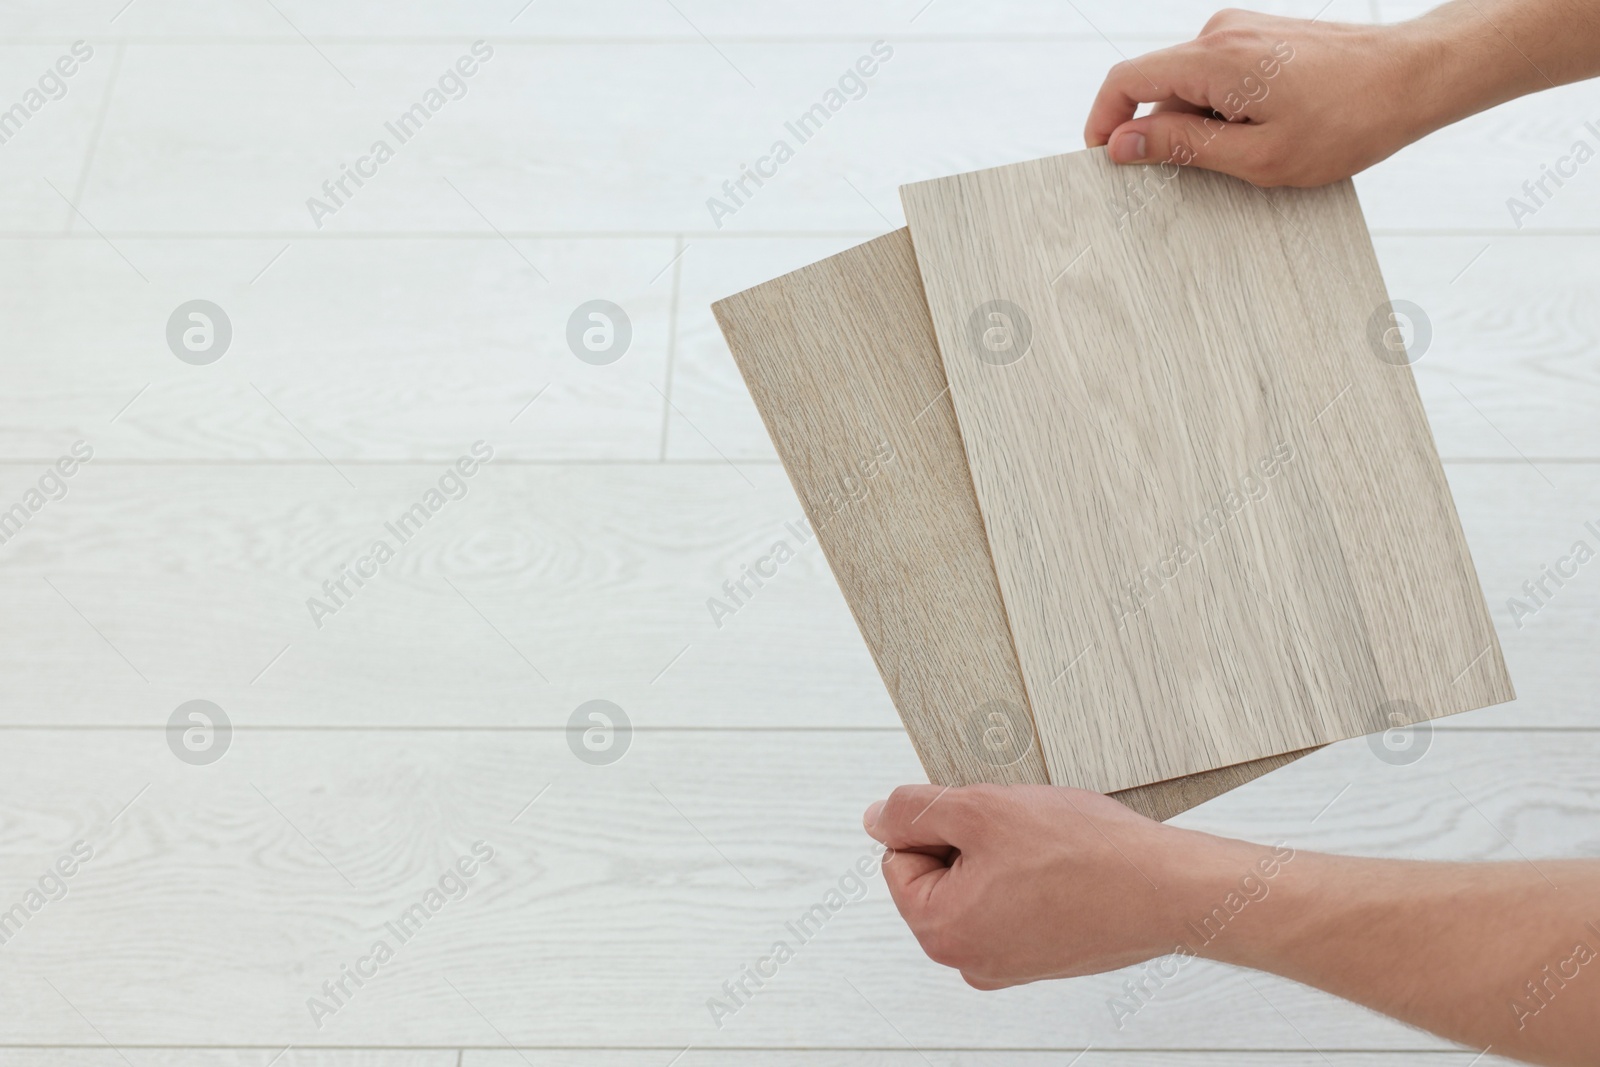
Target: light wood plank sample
[(1219, 522), (841, 360)]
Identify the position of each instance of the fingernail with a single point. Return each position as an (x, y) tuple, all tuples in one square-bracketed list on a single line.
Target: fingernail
[(870, 819), (1128, 147)]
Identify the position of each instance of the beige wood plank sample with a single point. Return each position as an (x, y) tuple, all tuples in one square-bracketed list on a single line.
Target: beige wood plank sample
[(841, 360), (1219, 522)]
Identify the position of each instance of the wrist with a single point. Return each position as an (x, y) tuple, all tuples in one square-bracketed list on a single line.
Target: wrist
[(1241, 899), (1456, 63), (1209, 885)]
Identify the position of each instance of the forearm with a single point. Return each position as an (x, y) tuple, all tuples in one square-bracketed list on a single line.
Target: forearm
[(1472, 55), (1489, 955)]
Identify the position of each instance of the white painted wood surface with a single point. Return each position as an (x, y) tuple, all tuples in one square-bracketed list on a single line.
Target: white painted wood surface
[(942, 1058), (223, 896), (656, 1057), (410, 327), (599, 574)]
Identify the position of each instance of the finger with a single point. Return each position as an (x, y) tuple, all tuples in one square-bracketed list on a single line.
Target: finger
[(1181, 106), (1170, 75), (907, 871), (920, 817), (913, 876), (1236, 148)]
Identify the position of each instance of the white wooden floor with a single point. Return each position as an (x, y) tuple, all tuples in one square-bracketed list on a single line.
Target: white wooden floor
[(429, 712)]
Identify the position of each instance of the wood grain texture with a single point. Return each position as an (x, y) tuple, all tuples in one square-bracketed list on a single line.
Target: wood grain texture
[(1514, 328), (841, 360), (1219, 523), (438, 341), (206, 918), (932, 1057), (634, 20), (225, 555), (931, 112), (129, 1056)]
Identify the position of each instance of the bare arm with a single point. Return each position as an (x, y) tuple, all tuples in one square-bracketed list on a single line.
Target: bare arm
[(1282, 101), (1014, 884)]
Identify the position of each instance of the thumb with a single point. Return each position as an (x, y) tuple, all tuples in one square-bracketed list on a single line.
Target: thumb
[(915, 824), (1191, 140), (927, 818)]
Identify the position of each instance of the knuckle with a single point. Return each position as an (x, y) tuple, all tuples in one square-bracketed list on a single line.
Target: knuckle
[(1178, 150), (1230, 38), (980, 802), (900, 800), (982, 793)]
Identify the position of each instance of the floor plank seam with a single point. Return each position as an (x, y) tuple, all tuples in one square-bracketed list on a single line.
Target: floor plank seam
[(240, 727), (986, 1049), (87, 165), (685, 461), (603, 40), (1495, 233), (673, 321)]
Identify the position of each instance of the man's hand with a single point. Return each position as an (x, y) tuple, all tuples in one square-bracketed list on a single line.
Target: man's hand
[(1011, 884), (1280, 101)]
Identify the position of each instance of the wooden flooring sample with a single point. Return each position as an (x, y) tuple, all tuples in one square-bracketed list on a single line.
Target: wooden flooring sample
[(1220, 525), (841, 360)]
